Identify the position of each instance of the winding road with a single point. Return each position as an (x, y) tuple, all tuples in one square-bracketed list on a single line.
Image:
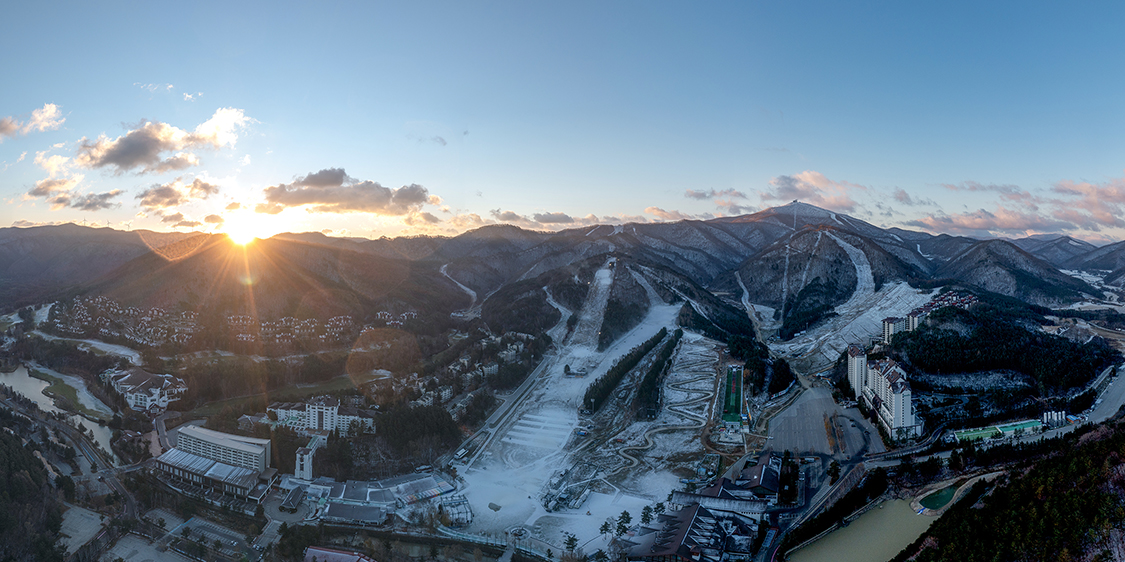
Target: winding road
[(678, 408)]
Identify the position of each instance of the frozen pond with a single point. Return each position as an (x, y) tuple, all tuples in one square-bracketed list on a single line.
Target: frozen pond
[(31, 387)]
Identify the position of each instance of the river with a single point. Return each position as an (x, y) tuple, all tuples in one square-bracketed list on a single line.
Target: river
[(877, 536), (31, 387)]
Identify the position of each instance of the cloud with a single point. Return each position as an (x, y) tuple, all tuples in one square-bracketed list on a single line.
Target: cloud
[(552, 218), (214, 219), (175, 193), (1008, 192), (51, 186), (233, 206), (46, 118), (54, 164), (982, 223), (21, 223), (712, 194), (438, 140), (145, 146), (903, 197), (172, 218), (813, 188), (87, 202), (191, 97), (332, 191), (154, 87), (508, 216), (187, 224), (420, 219), (468, 221), (731, 208), (9, 127), (675, 215), (1089, 205)]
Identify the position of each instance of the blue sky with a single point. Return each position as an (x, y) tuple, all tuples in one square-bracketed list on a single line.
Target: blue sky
[(373, 119)]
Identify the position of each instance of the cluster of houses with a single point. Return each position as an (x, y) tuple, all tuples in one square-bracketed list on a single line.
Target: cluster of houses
[(896, 324), (104, 318), (287, 330)]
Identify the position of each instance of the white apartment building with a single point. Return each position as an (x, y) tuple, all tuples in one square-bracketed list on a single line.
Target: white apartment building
[(882, 385), (322, 413)]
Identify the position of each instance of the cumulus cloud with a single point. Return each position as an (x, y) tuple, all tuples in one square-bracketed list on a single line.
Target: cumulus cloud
[(9, 127), (508, 216), (214, 219), (234, 206), (54, 164), (813, 188), (46, 118), (177, 217), (51, 186), (420, 219), (87, 202), (332, 191), (552, 218), (468, 221), (175, 193), (155, 147), (187, 224)]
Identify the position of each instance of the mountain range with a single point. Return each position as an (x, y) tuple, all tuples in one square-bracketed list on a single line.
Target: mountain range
[(797, 259)]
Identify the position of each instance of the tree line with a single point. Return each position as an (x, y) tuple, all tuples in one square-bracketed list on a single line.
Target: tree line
[(648, 393), (604, 385)]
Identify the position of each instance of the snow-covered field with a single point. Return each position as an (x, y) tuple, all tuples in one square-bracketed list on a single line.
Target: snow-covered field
[(534, 443)]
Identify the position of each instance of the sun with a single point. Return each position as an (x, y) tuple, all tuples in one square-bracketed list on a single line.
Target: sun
[(241, 238), (245, 227)]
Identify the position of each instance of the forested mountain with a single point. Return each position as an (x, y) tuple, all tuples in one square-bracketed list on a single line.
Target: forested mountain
[(798, 259)]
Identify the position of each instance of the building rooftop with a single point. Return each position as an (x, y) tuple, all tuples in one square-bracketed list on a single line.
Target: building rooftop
[(252, 445)]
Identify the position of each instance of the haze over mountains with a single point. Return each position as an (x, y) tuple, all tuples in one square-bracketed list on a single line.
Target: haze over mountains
[(796, 258)]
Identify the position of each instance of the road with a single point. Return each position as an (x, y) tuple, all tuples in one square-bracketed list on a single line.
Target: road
[(97, 461)]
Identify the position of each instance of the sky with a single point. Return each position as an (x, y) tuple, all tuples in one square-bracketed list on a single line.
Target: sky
[(372, 119)]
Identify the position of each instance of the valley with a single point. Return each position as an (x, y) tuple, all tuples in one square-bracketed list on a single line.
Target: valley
[(480, 351)]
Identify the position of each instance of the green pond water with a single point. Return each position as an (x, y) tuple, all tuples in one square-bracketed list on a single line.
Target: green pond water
[(938, 499), (877, 536)]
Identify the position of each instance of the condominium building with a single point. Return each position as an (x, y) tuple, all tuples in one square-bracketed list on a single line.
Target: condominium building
[(882, 386), (322, 413)]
